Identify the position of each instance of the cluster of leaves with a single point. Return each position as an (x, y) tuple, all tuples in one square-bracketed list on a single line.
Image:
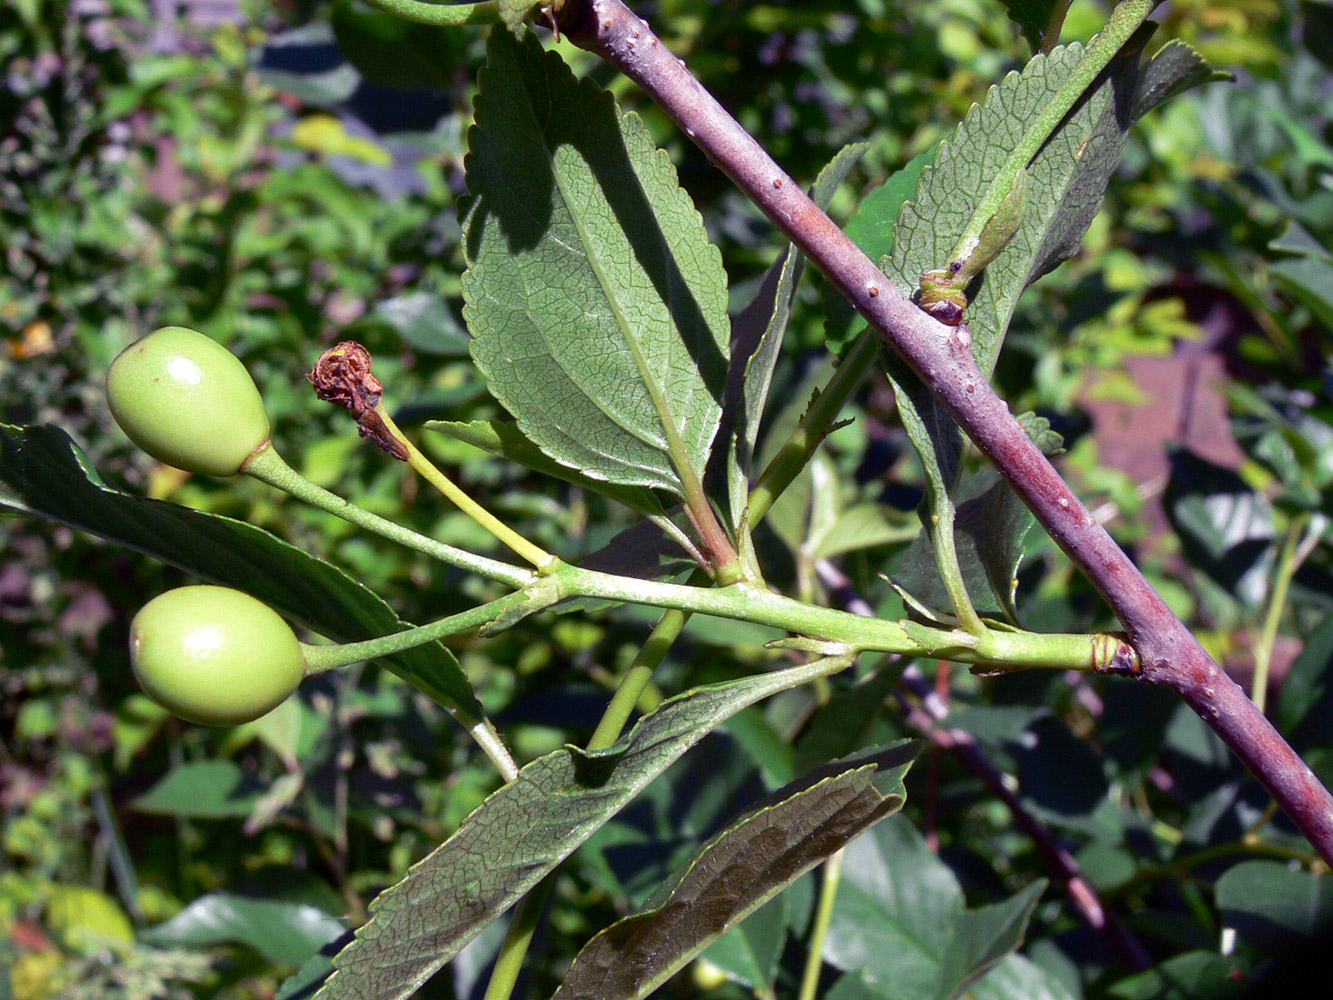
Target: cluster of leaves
[(279, 196)]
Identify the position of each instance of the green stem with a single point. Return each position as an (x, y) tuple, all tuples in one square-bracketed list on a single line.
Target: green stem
[(525, 549), (995, 649), (638, 675), (1124, 21), (632, 685), (800, 446), (1263, 651), (268, 466), (493, 746), (796, 451), (814, 956), (318, 659), (945, 544), (443, 15), (518, 938)]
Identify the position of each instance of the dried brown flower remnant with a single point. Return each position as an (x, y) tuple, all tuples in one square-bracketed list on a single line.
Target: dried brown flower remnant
[(342, 376)]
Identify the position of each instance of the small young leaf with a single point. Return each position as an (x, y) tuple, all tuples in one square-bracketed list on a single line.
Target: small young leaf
[(519, 834), (737, 871), (597, 304), (42, 472)]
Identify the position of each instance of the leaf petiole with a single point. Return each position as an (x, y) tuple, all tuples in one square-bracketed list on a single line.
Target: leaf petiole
[(323, 658), (269, 467), (424, 467)]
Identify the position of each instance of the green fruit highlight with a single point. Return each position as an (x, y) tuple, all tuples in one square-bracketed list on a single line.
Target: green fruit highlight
[(187, 401), (214, 655)]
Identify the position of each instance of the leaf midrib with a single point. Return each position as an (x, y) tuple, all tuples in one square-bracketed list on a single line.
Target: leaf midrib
[(675, 445)]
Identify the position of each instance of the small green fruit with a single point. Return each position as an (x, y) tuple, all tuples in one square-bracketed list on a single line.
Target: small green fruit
[(187, 401), (214, 655)]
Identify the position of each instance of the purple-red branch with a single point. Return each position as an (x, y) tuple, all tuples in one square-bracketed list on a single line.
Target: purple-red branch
[(1169, 653)]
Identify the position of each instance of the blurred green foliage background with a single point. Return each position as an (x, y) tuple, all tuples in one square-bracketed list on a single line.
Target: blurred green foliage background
[(284, 175)]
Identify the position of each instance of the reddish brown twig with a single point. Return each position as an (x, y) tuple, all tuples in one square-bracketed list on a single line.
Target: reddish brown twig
[(1169, 653)]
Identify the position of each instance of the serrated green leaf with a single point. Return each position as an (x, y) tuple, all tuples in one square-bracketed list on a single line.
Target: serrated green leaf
[(1174, 68), (930, 225), (737, 871), (871, 228), (519, 834), (502, 438), (1066, 181), (43, 472), (596, 302)]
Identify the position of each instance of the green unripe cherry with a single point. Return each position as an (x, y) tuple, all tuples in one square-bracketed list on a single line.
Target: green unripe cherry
[(214, 655), (187, 401)]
